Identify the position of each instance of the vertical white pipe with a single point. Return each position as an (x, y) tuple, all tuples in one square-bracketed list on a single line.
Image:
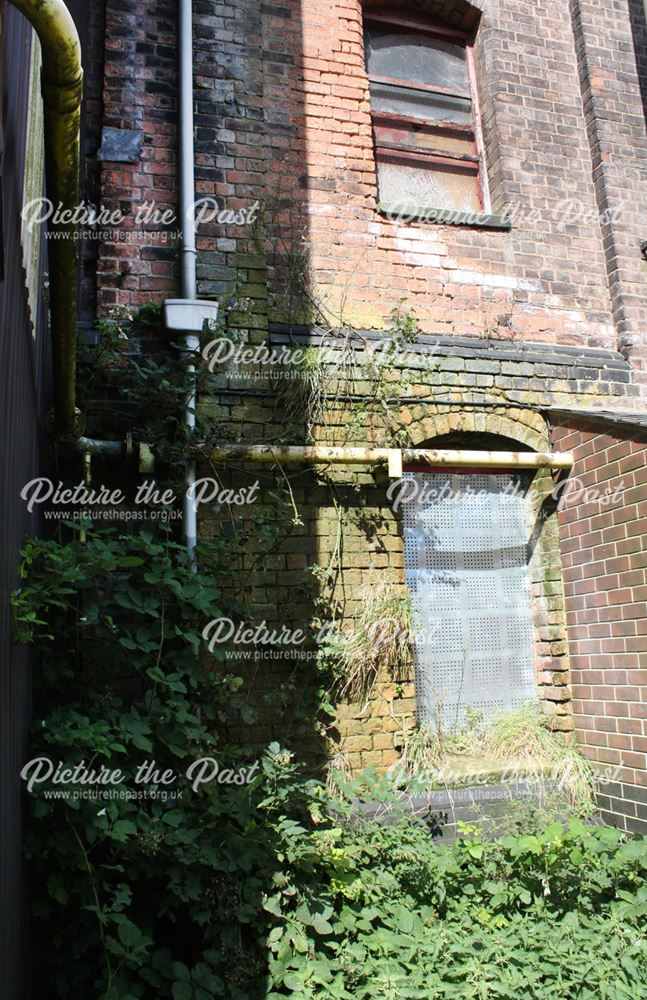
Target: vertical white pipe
[(192, 345), (187, 152), (189, 250)]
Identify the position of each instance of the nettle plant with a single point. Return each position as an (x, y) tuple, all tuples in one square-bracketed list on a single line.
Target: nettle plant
[(159, 890), (124, 886), (375, 911)]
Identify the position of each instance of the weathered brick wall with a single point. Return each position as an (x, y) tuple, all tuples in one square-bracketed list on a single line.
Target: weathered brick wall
[(472, 369), (138, 263), (352, 531), (512, 321), (368, 729), (266, 574), (611, 45), (528, 282), (604, 553), (283, 116)]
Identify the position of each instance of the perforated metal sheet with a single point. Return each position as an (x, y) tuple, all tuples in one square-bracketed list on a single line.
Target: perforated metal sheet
[(466, 556)]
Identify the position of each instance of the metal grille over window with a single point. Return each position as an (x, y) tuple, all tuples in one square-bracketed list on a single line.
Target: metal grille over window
[(466, 555), (423, 106)]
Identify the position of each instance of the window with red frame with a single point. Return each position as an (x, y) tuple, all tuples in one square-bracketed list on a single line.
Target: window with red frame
[(424, 111)]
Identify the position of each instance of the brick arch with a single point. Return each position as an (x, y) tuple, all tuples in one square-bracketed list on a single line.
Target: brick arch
[(461, 13), (525, 426)]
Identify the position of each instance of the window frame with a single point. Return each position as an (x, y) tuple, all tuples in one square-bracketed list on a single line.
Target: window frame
[(391, 151)]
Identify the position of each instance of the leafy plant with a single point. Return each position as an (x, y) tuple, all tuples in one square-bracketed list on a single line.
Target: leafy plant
[(147, 382), (133, 891), (554, 915)]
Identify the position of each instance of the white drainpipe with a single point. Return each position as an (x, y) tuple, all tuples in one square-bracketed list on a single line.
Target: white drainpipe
[(187, 152), (189, 251), (188, 314)]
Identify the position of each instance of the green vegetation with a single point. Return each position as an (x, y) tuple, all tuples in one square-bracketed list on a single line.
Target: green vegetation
[(304, 394), (518, 744), (524, 740), (377, 639), (336, 376), (122, 881), (273, 887), (382, 913)]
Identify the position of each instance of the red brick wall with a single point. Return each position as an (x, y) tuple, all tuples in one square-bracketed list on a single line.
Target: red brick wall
[(611, 45), (140, 93), (603, 522), (283, 115), (528, 283)]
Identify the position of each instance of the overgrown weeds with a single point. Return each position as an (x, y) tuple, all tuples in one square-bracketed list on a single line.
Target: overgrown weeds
[(525, 741), (376, 641), (515, 745)]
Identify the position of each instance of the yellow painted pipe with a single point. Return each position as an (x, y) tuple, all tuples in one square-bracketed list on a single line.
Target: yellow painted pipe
[(322, 454), (62, 87)]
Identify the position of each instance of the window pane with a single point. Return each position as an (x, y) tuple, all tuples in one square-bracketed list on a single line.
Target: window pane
[(432, 185), (417, 104), (417, 57), (428, 139)]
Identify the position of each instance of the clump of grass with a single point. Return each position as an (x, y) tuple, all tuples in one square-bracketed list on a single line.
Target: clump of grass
[(426, 748), (378, 639), (520, 742), (524, 740), (337, 770), (304, 394), (422, 750)]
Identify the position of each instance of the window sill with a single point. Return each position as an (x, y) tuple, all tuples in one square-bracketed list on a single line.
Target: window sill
[(444, 216)]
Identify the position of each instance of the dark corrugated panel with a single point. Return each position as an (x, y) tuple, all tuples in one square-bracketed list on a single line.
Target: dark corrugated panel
[(23, 396)]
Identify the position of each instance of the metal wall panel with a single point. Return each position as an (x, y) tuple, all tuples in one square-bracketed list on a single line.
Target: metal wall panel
[(466, 556), (24, 392)]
